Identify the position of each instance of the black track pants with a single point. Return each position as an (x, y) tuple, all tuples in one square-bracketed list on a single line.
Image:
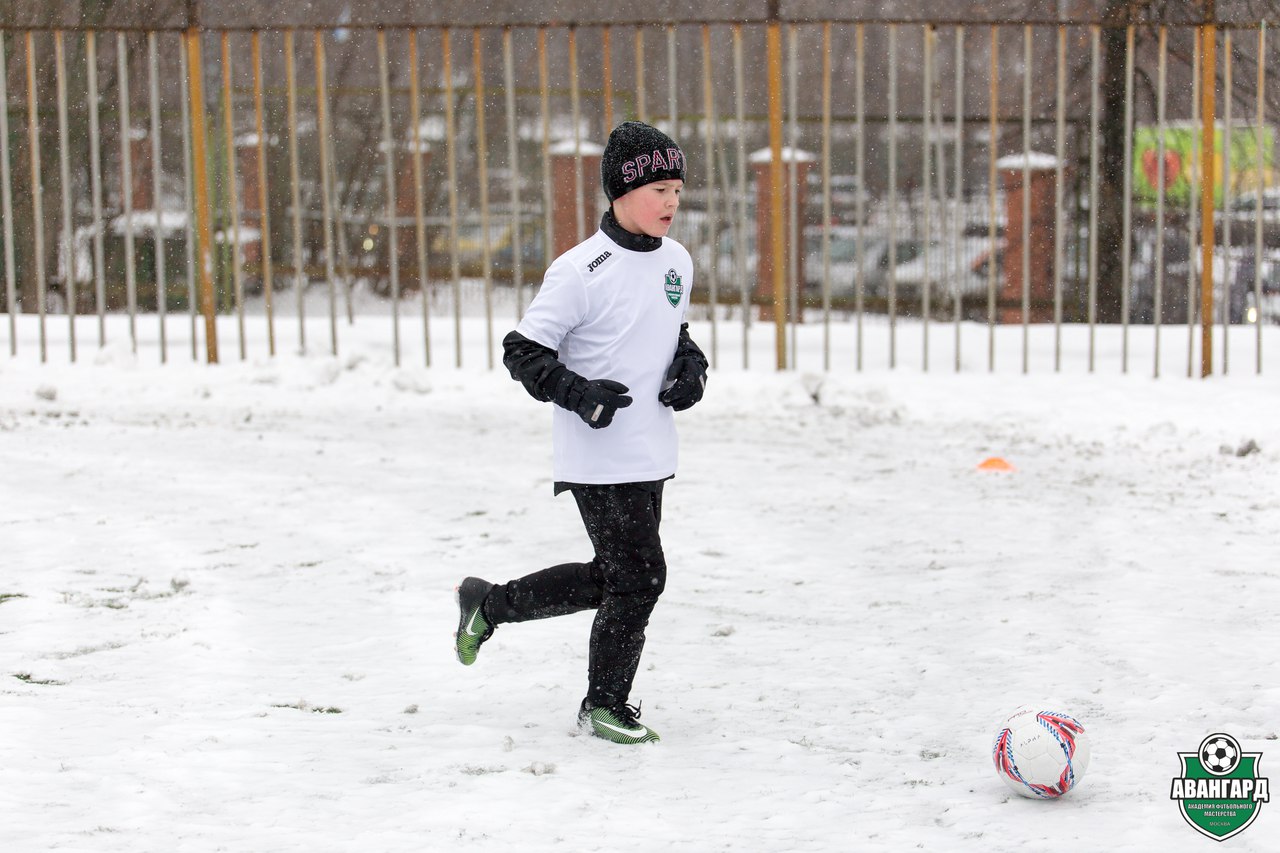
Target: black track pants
[(622, 584)]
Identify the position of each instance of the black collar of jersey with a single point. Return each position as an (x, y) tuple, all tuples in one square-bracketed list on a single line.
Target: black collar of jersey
[(624, 238)]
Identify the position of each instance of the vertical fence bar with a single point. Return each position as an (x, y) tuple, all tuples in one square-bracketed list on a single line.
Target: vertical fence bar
[(1126, 231), (606, 96), (67, 253), (709, 111), (773, 53), (326, 184), (264, 213), (1158, 285), (341, 219), (724, 175), (860, 155), (1194, 167), (482, 164), (1026, 197), (794, 236), (199, 157), (419, 192), (548, 202), (673, 103), (575, 111), (1095, 64), (1259, 139), (153, 67), (1225, 299), (451, 157), (513, 164), (826, 193), (188, 205), (940, 272), (641, 113), (893, 195), (389, 190), (95, 188), (939, 266), (926, 168), (992, 145), (961, 272), (740, 221), (1208, 110), (295, 199), (6, 205), (233, 190), (126, 180), (1059, 190), (37, 190)]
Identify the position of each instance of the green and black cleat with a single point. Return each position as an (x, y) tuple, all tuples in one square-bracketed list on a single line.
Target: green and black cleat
[(473, 628), (617, 723)]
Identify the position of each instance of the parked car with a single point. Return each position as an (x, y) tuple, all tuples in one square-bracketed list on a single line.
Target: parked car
[(950, 266), (873, 264), (470, 247)]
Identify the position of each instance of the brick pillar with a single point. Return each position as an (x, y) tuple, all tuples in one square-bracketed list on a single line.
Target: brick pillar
[(406, 212), (247, 174), (760, 164), (1039, 231), (564, 192), (250, 203), (140, 163)]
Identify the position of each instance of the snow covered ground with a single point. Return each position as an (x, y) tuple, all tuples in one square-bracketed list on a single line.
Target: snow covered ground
[(226, 599)]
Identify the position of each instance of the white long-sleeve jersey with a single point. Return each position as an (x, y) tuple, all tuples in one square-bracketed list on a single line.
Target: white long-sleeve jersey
[(614, 313)]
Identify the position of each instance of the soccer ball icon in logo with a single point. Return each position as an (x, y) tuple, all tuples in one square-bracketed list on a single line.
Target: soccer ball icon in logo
[(1219, 754), (1040, 754)]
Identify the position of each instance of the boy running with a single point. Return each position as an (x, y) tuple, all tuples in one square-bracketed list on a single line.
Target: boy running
[(605, 339)]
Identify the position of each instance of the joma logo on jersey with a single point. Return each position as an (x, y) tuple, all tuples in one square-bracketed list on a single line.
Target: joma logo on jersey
[(673, 287), (598, 261)]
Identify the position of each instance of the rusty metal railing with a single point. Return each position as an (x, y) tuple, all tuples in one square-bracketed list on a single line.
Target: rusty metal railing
[(943, 158)]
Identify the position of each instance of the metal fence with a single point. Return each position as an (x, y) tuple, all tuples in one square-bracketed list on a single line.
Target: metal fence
[(941, 174)]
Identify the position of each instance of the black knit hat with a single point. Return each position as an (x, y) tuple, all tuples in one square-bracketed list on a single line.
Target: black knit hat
[(638, 154)]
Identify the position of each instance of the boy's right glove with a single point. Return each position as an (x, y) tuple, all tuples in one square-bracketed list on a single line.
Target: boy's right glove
[(594, 400), (546, 378)]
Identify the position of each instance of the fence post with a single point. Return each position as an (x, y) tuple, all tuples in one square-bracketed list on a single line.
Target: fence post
[(774, 53), (199, 156), (1208, 70), (6, 207)]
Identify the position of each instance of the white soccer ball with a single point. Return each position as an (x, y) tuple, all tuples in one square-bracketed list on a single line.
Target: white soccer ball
[(1219, 754), (1040, 754)]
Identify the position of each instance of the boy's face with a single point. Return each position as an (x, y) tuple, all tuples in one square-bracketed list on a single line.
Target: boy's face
[(649, 209)]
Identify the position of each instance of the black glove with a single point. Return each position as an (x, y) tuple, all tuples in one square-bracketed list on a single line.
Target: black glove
[(686, 380), (546, 378), (687, 375), (595, 400)]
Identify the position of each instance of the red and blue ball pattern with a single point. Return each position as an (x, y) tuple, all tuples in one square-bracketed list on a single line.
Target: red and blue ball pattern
[(1040, 754)]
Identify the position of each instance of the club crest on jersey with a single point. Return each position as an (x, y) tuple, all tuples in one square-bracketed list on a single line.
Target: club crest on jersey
[(674, 287)]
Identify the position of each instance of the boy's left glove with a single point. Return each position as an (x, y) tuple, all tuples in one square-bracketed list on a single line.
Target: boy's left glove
[(686, 380), (687, 375)]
